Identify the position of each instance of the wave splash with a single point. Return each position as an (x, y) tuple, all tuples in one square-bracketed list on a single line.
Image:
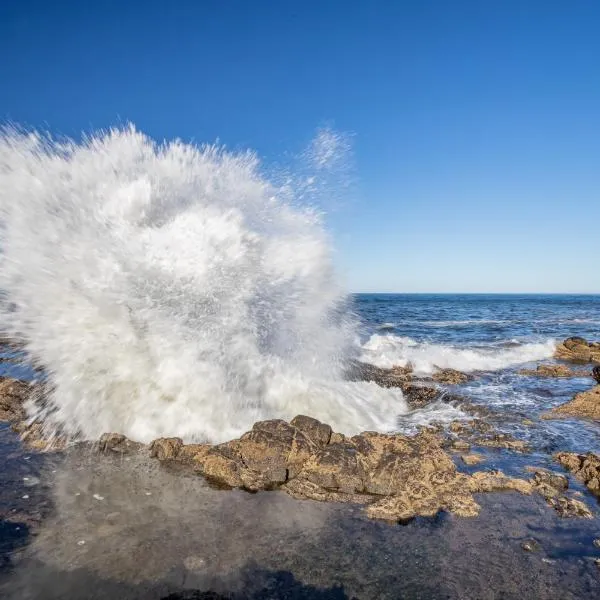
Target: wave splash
[(391, 350), (172, 290)]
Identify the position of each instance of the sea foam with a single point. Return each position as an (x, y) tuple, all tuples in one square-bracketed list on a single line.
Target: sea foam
[(172, 290), (391, 350)]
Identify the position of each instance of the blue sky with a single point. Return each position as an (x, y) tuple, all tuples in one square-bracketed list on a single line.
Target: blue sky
[(476, 125)]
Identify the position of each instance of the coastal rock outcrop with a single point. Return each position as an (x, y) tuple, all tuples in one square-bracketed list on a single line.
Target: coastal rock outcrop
[(392, 377), (395, 477), (13, 394), (578, 350), (586, 467), (553, 371), (451, 377), (584, 404)]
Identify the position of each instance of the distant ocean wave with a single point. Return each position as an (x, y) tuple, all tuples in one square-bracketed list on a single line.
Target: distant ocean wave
[(392, 350)]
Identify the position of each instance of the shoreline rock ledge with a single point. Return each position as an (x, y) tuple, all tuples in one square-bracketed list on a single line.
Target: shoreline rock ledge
[(578, 350), (393, 476)]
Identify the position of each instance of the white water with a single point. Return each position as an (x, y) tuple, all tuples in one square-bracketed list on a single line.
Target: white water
[(172, 290), (391, 350)]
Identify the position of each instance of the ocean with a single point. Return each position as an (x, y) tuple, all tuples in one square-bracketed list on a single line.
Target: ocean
[(493, 336)]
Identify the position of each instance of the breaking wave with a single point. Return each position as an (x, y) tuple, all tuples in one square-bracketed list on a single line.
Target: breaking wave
[(390, 350), (173, 290)]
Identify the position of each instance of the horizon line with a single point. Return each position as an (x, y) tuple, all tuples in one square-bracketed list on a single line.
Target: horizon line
[(479, 293)]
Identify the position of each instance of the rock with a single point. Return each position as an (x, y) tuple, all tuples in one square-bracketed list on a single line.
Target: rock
[(166, 448), (418, 396), (596, 374), (547, 483), (552, 371), (263, 458), (460, 445), (336, 438), (394, 377), (578, 350), (472, 459), (316, 431), (530, 546), (504, 441), (584, 404), (13, 394), (115, 442), (569, 507), (394, 477), (497, 481), (451, 377), (585, 467)]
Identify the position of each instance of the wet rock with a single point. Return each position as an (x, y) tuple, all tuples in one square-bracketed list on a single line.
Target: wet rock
[(472, 459), (115, 442), (585, 467), (418, 395), (551, 486), (596, 374), (530, 546), (552, 371), (497, 481), (570, 507), (584, 404), (166, 448), (451, 377), (460, 445), (336, 438), (316, 431), (13, 394), (393, 377), (547, 483), (503, 441), (263, 458), (578, 350)]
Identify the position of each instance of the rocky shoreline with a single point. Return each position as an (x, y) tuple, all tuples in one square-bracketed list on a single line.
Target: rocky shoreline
[(394, 477)]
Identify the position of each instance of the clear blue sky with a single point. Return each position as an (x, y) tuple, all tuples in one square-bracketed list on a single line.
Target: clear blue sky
[(476, 124)]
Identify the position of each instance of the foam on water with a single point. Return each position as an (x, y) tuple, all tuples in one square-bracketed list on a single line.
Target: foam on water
[(172, 290), (391, 350)]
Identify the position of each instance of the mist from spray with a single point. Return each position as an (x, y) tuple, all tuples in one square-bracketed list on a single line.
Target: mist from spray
[(170, 289)]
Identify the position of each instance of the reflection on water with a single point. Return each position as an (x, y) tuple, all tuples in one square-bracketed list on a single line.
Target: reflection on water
[(131, 528)]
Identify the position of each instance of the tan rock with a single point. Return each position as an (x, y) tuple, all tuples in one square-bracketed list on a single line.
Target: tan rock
[(497, 481), (585, 405), (585, 467), (472, 459), (166, 448), (13, 394), (117, 443), (451, 377), (418, 395), (393, 377), (570, 507), (578, 350), (552, 371), (316, 431)]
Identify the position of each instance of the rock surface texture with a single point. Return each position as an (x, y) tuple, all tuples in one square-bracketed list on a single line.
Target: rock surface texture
[(554, 371), (578, 350), (585, 467), (584, 404)]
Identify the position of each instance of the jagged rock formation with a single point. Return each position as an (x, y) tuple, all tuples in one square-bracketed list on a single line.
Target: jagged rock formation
[(553, 371), (578, 350), (585, 467), (584, 404)]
